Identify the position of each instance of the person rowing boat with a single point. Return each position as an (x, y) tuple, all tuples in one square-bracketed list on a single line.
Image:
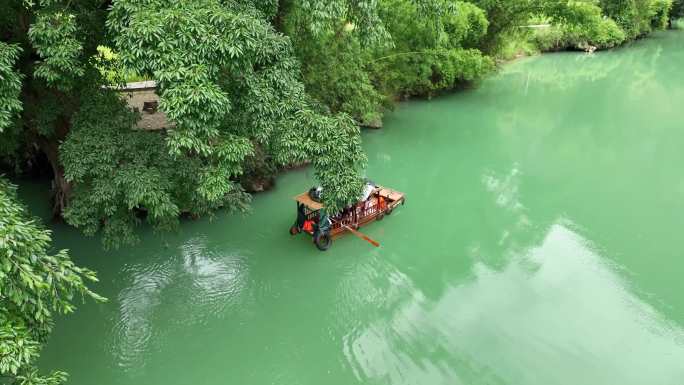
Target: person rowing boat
[(375, 202)]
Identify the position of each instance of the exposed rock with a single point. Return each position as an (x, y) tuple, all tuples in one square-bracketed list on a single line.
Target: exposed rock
[(586, 47), (254, 184), (375, 123)]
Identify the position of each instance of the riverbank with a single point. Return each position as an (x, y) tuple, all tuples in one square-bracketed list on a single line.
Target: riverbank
[(523, 48)]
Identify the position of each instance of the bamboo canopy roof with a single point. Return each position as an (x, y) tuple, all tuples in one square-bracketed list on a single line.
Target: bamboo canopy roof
[(306, 200)]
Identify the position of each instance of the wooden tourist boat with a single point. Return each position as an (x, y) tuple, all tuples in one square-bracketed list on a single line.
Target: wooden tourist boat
[(324, 228)]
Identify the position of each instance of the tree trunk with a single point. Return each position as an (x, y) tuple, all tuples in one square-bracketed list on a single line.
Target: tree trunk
[(278, 22), (61, 188)]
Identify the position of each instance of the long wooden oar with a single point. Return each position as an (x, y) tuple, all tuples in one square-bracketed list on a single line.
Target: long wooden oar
[(362, 236)]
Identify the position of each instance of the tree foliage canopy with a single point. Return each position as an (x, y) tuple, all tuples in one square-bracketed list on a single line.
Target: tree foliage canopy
[(10, 86)]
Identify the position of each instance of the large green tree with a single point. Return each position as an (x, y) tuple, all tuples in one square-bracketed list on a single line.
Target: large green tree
[(35, 285), (227, 79)]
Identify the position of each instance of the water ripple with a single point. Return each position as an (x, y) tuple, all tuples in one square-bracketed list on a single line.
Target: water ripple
[(192, 287)]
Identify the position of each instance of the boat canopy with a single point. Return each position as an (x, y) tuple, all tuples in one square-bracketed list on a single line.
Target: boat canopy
[(306, 200)]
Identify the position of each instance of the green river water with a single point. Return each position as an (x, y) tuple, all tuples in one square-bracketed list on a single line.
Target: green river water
[(541, 243)]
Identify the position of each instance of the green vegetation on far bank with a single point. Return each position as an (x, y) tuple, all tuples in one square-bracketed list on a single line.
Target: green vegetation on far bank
[(435, 46)]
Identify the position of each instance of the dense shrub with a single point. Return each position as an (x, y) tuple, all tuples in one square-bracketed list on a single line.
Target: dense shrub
[(592, 28), (333, 54), (660, 13), (552, 38), (334, 74), (505, 18), (431, 54), (464, 24), (638, 17), (433, 71), (583, 25)]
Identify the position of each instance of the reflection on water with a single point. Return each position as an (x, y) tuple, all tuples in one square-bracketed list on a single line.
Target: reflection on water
[(198, 283), (210, 281), (505, 189), (556, 312), (134, 326), (557, 308), (590, 68)]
